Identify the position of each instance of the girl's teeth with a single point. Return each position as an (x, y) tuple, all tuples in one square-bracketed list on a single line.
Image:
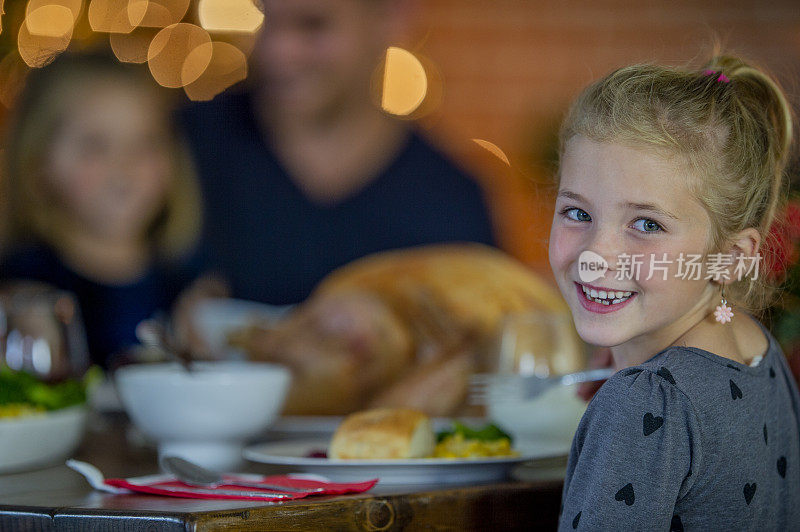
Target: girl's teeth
[(604, 297)]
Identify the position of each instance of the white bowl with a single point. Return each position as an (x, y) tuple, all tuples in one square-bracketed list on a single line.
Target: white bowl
[(552, 416), (208, 414), (36, 440)]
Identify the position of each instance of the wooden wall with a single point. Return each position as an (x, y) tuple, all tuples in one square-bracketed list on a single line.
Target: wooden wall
[(509, 69)]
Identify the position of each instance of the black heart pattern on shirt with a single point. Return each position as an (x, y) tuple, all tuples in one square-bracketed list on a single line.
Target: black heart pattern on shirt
[(765, 433), (665, 374), (782, 466), (736, 393), (651, 423), (626, 494), (676, 525), (749, 491), (772, 373), (576, 520)]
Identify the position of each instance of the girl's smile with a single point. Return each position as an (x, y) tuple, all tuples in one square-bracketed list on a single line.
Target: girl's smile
[(603, 300), (618, 202)]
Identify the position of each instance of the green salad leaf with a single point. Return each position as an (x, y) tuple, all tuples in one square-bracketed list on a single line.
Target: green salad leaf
[(488, 432), (20, 387)]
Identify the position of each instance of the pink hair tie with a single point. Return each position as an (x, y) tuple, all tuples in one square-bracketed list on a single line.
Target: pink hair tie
[(722, 77)]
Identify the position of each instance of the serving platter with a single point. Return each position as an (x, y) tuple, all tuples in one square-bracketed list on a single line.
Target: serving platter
[(296, 454)]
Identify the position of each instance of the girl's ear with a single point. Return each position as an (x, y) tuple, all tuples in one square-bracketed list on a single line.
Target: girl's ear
[(746, 242), (744, 247)]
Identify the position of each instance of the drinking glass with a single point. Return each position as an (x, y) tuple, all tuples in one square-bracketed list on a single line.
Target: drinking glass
[(539, 343), (41, 331), (543, 344)]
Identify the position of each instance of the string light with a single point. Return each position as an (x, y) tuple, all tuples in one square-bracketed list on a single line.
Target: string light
[(228, 65), (169, 51), (404, 82), (229, 16)]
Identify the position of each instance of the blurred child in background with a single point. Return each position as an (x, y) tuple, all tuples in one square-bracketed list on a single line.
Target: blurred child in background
[(100, 197)]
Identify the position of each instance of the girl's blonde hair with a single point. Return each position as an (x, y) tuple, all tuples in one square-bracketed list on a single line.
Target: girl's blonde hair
[(36, 119), (729, 121)]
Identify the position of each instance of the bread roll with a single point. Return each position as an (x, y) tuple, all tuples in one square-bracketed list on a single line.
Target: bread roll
[(383, 433)]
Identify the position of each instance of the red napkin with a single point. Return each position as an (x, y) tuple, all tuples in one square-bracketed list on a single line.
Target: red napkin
[(173, 488)]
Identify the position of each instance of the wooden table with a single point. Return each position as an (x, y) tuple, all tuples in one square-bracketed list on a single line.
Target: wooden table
[(57, 498)]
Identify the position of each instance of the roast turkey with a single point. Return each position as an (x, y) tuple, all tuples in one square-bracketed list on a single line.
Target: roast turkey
[(403, 328)]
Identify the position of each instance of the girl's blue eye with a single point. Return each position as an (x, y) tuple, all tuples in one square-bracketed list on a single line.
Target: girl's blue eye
[(646, 225), (579, 215)]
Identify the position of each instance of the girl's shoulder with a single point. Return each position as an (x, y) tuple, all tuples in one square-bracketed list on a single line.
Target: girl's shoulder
[(699, 381), (660, 381)]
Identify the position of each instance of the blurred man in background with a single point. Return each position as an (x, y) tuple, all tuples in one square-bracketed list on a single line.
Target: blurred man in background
[(302, 172)]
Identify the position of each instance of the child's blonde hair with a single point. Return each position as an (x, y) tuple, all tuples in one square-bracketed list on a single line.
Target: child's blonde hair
[(729, 121), (36, 120)]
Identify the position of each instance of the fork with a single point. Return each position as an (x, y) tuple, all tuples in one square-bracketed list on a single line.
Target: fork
[(486, 388)]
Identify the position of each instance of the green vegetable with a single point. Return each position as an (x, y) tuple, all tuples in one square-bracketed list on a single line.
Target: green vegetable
[(489, 432), (23, 388)]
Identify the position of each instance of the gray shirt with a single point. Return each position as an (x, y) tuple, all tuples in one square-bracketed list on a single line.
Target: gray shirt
[(688, 440)]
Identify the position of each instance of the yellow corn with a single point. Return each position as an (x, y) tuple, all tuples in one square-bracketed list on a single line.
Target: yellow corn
[(456, 446), (18, 409)]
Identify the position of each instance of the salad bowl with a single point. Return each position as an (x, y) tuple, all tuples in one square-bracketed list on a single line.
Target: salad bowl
[(40, 439)]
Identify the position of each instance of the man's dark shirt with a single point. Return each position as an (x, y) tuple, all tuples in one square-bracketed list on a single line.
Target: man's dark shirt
[(274, 244)]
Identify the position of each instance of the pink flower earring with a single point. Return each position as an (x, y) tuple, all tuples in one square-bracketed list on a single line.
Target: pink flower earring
[(724, 313)]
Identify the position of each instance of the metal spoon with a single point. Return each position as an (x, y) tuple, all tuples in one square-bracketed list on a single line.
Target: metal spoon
[(195, 475)]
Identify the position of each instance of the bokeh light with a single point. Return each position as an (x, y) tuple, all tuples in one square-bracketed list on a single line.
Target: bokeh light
[(38, 50), (169, 51), (50, 20), (493, 149), (132, 47), (404, 82), (116, 16), (75, 7), (229, 15), (163, 13), (228, 65)]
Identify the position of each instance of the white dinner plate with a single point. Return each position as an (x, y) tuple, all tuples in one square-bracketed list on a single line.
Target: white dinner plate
[(415, 471), (37, 440)]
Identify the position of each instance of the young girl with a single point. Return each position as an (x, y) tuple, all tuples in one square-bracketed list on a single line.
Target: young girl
[(663, 170), (100, 198)]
